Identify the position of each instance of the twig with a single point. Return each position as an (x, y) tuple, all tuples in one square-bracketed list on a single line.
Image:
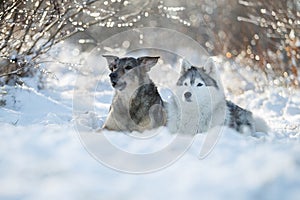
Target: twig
[(9, 34), (29, 25), (10, 73), (15, 5)]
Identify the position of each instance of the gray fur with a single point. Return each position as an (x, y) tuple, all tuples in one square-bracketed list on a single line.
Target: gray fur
[(136, 105), (194, 73), (239, 118)]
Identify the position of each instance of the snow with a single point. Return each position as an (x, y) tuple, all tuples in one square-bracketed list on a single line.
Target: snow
[(43, 155)]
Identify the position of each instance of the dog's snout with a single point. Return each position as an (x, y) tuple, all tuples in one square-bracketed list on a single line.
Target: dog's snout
[(113, 78), (113, 75), (187, 95)]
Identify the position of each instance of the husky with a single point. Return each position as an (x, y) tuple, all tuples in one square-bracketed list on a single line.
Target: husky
[(136, 105), (202, 103)]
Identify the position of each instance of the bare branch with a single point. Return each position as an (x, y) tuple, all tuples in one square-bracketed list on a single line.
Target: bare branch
[(10, 32), (11, 73), (29, 25)]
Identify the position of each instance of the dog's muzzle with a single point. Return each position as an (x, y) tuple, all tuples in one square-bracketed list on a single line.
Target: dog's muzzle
[(113, 78), (187, 96), (115, 82)]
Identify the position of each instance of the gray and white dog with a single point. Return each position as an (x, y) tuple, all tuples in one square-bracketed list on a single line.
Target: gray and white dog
[(201, 99), (136, 105)]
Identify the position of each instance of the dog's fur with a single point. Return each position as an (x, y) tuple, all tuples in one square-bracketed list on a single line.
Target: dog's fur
[(202, 100), (136, 105)]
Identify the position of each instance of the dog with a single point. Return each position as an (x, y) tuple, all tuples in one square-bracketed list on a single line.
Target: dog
[(202, 104), (136, 105)]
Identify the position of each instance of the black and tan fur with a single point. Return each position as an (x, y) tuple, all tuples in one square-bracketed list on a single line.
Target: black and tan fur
[(136, 105)]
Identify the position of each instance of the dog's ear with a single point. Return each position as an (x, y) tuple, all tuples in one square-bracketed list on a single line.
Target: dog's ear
[(111, 59), (210, 67), (185, 65), (147, 61)]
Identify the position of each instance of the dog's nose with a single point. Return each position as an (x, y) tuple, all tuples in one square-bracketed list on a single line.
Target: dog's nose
[(113, 75), (187, 95)]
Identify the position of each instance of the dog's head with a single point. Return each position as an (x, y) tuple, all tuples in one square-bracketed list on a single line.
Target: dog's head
[(128, 69), (196, 78)]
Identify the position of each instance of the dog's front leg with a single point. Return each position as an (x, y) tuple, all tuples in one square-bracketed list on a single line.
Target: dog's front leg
[(110, 123)]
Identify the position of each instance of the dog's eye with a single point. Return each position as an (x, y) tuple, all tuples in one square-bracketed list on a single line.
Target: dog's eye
[(185, 83), (128, 67), (113, 67), (199, 84)]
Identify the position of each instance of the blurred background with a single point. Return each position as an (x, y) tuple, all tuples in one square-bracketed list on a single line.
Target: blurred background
[(260, 35)]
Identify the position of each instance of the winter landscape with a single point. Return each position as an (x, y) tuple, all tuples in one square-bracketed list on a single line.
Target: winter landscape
[(44, 154)]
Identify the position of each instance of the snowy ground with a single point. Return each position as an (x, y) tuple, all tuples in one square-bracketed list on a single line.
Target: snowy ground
[(42, 157)]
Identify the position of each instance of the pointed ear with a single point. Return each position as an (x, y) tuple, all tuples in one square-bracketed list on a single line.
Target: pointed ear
[(147, 61), (110, 59), (185, 65), (210, 67)]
